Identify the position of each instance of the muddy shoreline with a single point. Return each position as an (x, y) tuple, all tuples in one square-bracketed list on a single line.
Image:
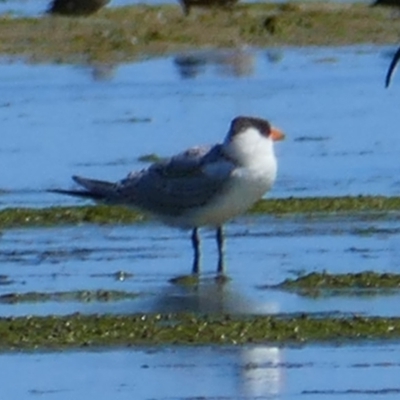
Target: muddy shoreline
[(128, 33)]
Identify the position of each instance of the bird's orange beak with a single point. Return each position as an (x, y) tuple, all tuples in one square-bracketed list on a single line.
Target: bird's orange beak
[(276, 134)]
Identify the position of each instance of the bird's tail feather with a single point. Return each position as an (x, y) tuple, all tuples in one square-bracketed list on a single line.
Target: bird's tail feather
[(77, 193), (93, 189), (96, 187)]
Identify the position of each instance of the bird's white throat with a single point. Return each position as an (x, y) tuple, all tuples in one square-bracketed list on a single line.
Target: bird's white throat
[(252, 150)]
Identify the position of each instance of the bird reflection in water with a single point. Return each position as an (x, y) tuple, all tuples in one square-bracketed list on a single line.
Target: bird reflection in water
[(237, 63)]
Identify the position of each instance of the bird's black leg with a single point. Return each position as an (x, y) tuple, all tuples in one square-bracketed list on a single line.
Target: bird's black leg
[(196, 248), (220, 243)]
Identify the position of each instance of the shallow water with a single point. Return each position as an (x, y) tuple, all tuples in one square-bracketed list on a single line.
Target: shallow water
[(97, 120), (261, 251), (366, 371), (63, 120)]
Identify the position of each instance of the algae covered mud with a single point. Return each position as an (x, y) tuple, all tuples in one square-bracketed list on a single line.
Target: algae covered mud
[(25, 217), (184, 329), (78, 330)]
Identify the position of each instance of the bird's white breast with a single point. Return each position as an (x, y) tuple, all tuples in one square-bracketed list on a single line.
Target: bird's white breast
[(253, 175), (244, 188)]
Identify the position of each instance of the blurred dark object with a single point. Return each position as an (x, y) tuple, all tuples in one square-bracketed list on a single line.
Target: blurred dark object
[(271, 24), (76, 7), (187, 5), (189, 66), (392, 67), (235, 62), (103, 72), (389, 3)]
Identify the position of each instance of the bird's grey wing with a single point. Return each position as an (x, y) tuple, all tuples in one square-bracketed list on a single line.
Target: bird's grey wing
[(173, 186)]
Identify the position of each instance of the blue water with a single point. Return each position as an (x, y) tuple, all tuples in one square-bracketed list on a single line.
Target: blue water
[(60, 120), (96, 120), (368, 371), (260, 252)]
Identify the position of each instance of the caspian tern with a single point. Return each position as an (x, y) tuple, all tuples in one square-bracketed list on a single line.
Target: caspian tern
[(203, 186)]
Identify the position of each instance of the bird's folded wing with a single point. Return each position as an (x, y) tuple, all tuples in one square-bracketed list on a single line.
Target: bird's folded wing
[(188, 180)]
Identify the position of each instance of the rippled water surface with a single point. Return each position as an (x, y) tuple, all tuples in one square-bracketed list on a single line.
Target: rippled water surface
[(260, 252), (259, 372)]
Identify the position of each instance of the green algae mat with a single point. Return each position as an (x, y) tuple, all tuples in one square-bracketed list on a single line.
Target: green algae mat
[(25, 217), (360, 280), (78, 330), (366, 283)]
